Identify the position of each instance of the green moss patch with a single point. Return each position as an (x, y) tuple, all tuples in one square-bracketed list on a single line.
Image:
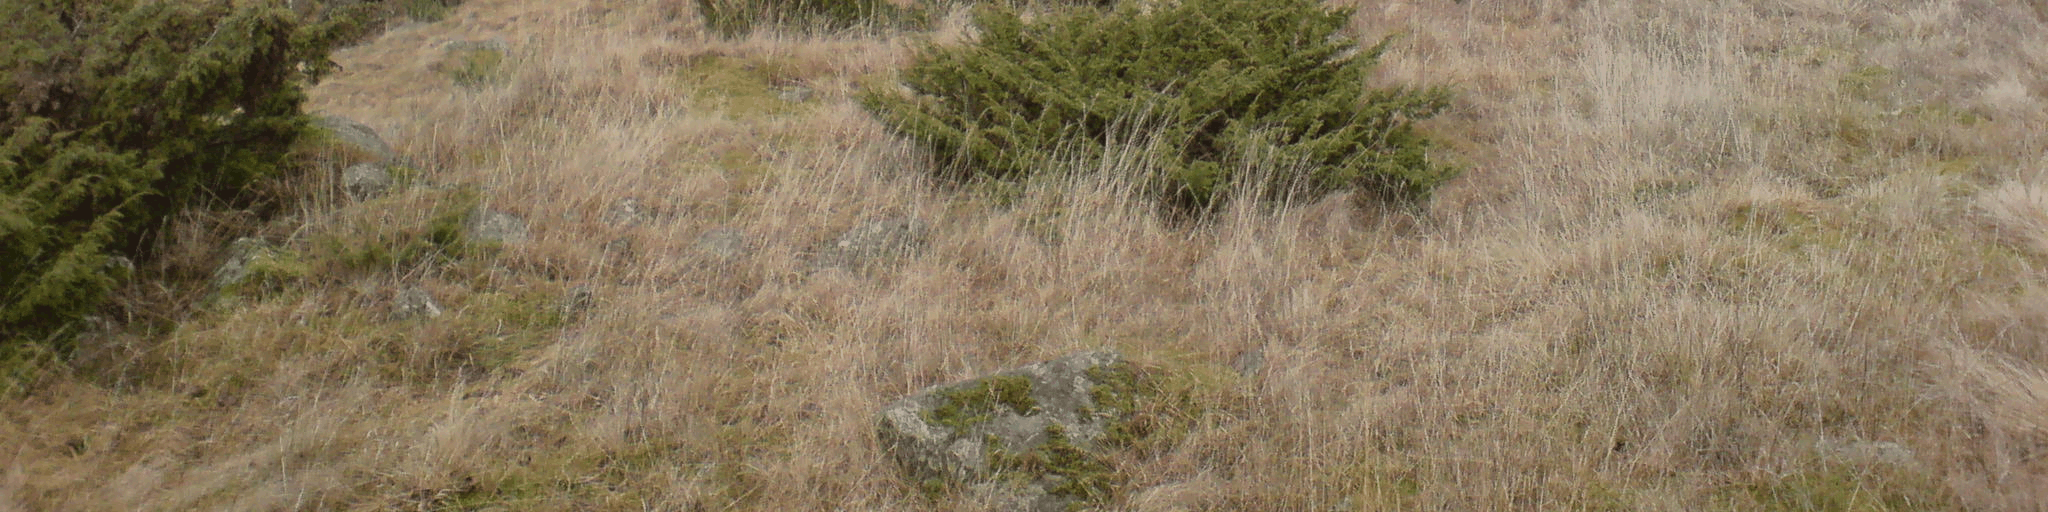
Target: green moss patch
[(977, 403), (1071, 471)]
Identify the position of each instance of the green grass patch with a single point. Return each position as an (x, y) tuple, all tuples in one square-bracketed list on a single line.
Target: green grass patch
[(477, 67), (1842, 488), (741, 86), (384, 243)]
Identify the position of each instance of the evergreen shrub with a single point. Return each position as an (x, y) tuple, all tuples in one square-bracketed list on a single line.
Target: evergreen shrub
[(1211, 86), (115, 114)]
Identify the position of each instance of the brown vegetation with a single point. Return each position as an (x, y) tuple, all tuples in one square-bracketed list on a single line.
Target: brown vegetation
[(1696, 244)]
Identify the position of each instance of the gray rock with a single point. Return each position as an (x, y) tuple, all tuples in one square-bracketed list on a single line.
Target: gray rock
[(413, 302), (721, 243), (1856, 451), (492, 226), (365, 180), (242, 255), (873, 241), (359, 137), (976, 432), (794, 93)]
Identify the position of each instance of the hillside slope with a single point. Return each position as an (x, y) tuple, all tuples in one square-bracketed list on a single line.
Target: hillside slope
[(1740, 255)]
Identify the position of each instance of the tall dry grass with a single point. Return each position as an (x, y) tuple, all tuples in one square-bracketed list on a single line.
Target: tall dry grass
[(1706, 255)]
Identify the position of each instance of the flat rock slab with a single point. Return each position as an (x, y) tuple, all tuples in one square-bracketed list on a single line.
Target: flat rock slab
[(1025, 438)]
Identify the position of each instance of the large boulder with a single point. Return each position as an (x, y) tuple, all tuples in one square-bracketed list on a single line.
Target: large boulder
[(1026, 439)]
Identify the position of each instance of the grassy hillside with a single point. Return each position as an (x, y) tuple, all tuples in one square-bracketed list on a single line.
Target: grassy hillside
[(1704, 255)]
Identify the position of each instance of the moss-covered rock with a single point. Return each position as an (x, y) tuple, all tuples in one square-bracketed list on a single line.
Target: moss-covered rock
[(1030, 438)]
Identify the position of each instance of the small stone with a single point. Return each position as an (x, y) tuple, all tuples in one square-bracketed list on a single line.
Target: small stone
[(413, 302), (365, 180), (722, 243), (493, 226)]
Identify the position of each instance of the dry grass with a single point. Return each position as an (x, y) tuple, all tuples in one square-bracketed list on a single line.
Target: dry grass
[(1696, 241)]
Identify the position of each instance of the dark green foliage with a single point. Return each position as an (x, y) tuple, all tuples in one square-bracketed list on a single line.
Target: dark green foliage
[(118, 113), (737, 17), (1209, 87)]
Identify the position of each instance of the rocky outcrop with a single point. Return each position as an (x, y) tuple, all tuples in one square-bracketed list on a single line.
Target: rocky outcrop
[(1026, 439)]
